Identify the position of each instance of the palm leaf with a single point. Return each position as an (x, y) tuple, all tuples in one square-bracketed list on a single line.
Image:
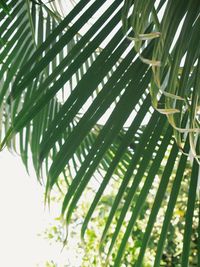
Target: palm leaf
[(58, 82)]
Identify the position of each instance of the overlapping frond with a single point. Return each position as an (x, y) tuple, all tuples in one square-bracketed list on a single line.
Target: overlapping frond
[(174, 62), (80, 100)]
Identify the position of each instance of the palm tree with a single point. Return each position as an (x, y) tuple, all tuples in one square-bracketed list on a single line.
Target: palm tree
[(134, 63)]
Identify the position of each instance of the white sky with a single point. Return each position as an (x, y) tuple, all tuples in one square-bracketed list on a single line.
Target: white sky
[(22, 218)]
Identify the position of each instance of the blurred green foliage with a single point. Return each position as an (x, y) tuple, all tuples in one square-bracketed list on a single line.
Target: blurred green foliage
[(89, 250)]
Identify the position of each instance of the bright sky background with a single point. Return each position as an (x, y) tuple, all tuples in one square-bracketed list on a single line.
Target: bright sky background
[(22, 218)]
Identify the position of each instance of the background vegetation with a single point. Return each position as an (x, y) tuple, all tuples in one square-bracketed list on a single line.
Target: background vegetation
[(88, 250)]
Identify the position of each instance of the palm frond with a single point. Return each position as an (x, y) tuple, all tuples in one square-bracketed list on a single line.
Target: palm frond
[(174, 61), (59, 82)]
